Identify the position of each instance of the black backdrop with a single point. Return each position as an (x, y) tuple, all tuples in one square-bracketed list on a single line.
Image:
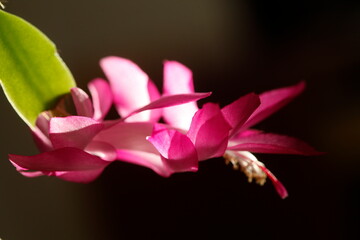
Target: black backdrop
[(233, 47)]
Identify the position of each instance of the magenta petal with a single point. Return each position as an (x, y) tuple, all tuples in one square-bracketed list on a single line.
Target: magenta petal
[(171, 100), (63, 159), (209, 132), (177, 150), (146, 159), (280, 189), (73, 131), (25, 172), (273, 143), (272, 101), (82, 102), (84, 176), (239, 111), (101, 96), (129, 85), (178, 80)]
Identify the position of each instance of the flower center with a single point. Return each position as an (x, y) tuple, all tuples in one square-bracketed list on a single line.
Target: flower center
[(248, 164)]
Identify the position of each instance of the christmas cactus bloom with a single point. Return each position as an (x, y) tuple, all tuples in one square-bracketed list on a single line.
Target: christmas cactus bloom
[(68, 149), (225, 132), (78, 148), (192, 134), (133, 89)]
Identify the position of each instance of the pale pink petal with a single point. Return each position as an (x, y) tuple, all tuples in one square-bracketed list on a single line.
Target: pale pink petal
[(146, 159), (281, 190), (82, 102), (177, 150), (129, 85), (84, 176), (43, 123), (273, 143), (128, 135), (101, 96), (272, 101), (238, 112), (171, 100), (154, 94), (63, 159), (209, 132), (42, 142), (178, 79), (101, 149), (73, 131)]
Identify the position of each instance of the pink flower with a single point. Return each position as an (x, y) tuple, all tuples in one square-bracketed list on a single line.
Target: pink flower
[(216, 132), (78, 148), (140, 104), (68, 149)]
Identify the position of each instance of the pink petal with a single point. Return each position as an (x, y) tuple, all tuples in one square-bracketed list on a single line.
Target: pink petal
[(73, 131), (176, 149), (63, 159), (25, 172), (171, 100), (273, 143), (239, 111), (128, 135), (82, 102), (129, 85), (146, 159), (84, 176), (101, 96), (43, 123), (154, 94), (101, 149), (178, 80), (209, 132), (281, 190), (42, 142), (245, 133), (272, 101)]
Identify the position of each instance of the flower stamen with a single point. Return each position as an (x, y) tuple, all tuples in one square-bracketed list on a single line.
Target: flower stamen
[(248, 164)]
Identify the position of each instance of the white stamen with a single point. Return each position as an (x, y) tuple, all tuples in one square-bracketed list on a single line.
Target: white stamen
[(248, 164)]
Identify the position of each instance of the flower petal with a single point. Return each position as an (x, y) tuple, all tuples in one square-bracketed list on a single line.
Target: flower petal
[(42, 142), (209, 131), (280, 189), (239, 111), (177, 150), (73, 131), (129, 85), (82, 102), (145, 159), (84, 176), (178, 80), (63, 159), (272, 101), (101, 149), (171, 100), (128, 135), (101, 96), (273, 143)]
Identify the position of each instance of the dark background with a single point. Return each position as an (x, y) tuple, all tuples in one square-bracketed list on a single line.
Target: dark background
[(233, 47)]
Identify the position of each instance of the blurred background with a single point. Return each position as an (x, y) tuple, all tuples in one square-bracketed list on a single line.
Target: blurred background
[(233, 47)]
